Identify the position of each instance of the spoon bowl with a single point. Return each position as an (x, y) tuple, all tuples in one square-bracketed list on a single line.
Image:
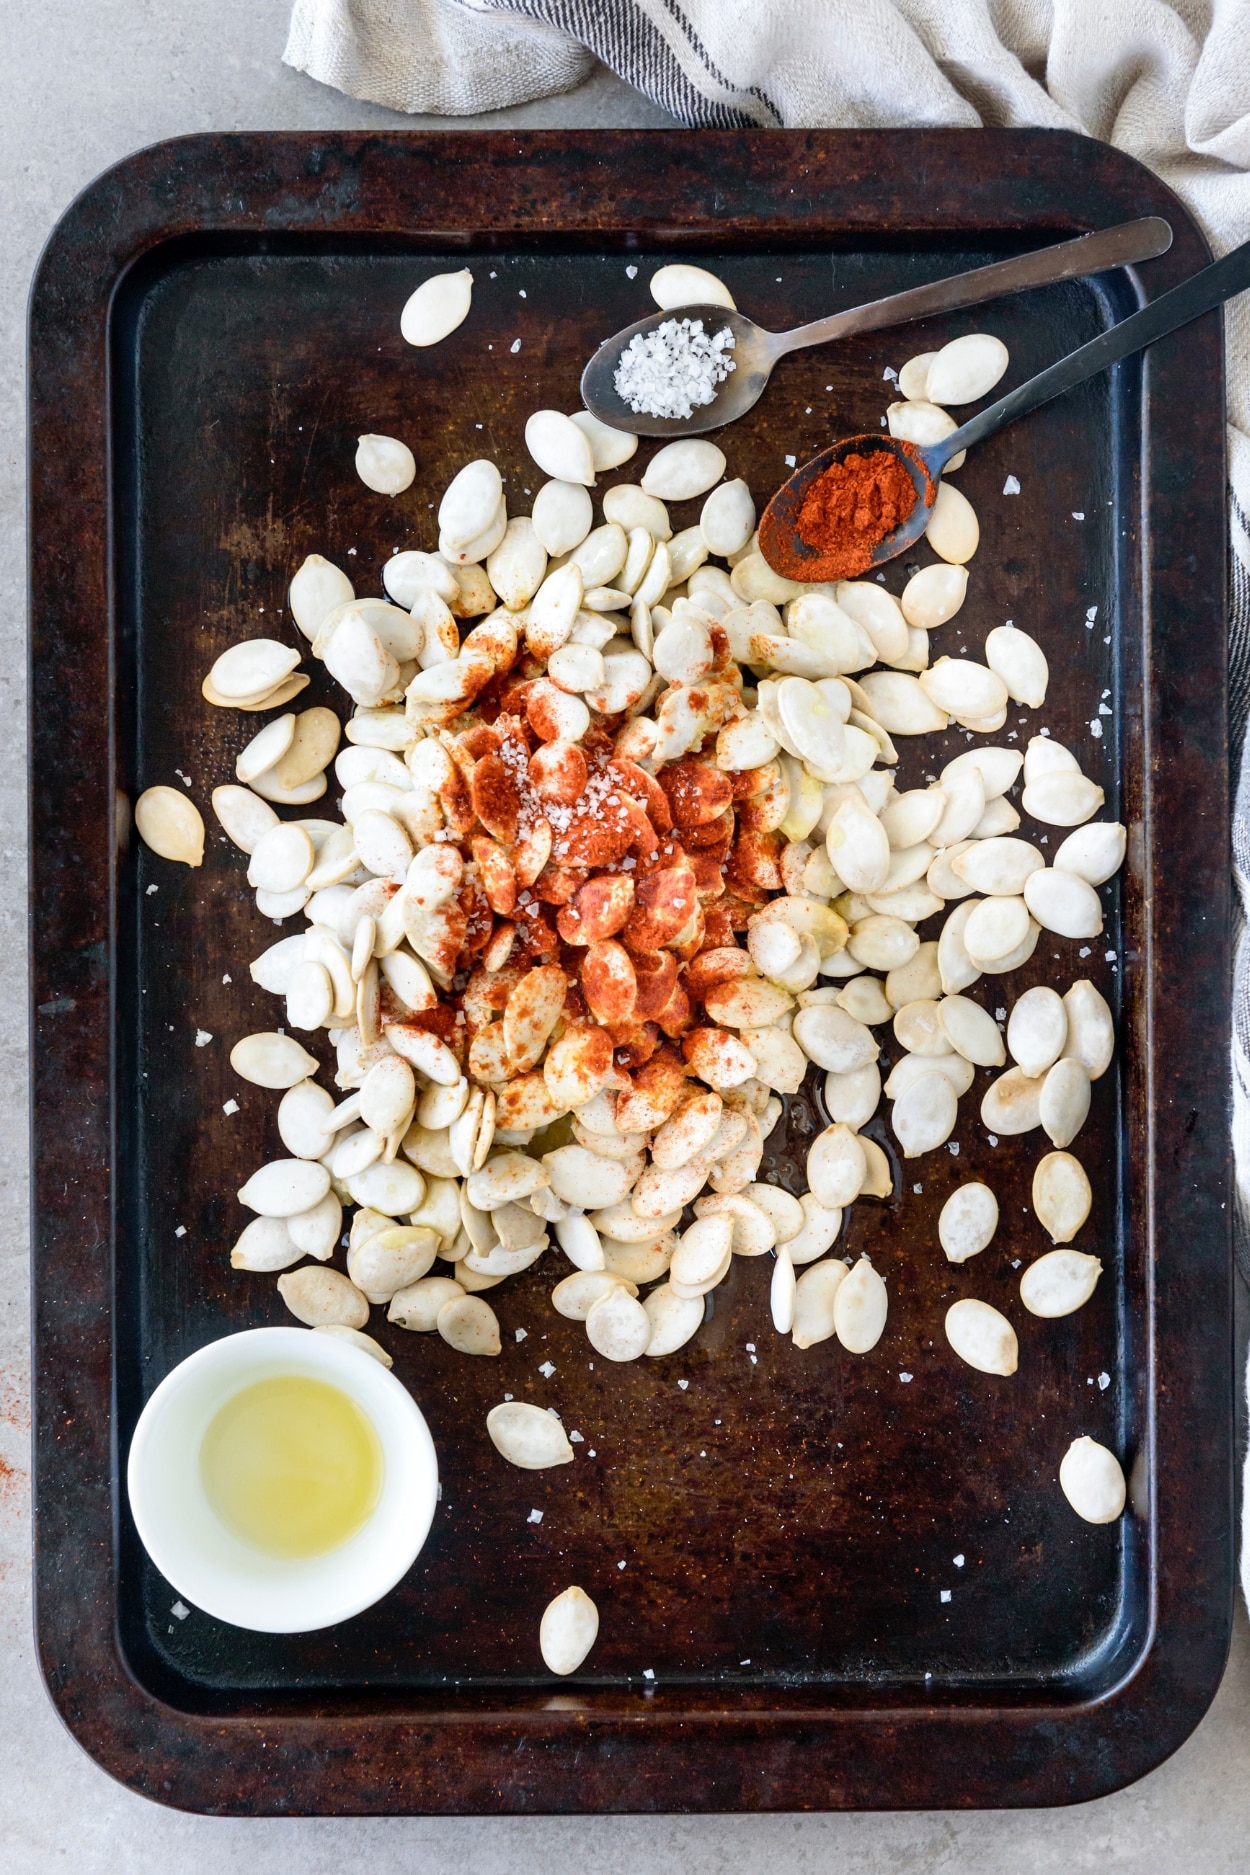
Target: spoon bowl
[(755, 352), (789, 554)]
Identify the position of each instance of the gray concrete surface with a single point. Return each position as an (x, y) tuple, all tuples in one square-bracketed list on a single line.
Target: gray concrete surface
[(87, 83)]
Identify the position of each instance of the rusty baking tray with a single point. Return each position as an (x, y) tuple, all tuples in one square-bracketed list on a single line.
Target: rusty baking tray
[(773, 1544)]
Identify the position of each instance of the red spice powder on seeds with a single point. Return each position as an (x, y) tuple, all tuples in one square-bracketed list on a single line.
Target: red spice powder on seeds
[(849, 509)]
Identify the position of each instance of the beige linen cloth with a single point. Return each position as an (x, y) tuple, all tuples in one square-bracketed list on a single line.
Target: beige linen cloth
[(1168, 83)]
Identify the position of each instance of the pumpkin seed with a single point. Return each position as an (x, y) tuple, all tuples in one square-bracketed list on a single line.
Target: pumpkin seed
[(995, 928), (1091, 1029), (967, 1222), (469, 1325), (934, 595), (264, 1245), (568, 1630), (962, 688), (1012, 1103), (684, 469), (1061, 798), (1063, 1103), (782, 1292), (860, 1306), (971, 1031), (814, 1302), (438, 306), (417, 1307), (880, 942), (680, 284), (317, 1230), (1094, 852), (384, 464), (244, 816), (982, 1337), (320, 1297), (559, 447), (918, 977), (910, 1068), (527, 1436), (964, 369), (853, 1097), (674, 1319), (999, 867), (470, 503), (836, 1167), (617, 1326), (913, 379), (1059, 1283), (727, 518), (576, 1295), (391, 1260), (923, 423), (171, 825), (1037, 1030), (272, 1060), (924, 1114), (1092, 1480), (1020, 662), (317, 588), (1062, 902)]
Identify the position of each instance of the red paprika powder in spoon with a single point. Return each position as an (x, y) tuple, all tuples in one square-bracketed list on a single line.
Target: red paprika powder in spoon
[(849, 510)]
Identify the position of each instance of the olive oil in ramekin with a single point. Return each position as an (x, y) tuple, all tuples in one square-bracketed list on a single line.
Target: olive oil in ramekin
[(291, 1466)]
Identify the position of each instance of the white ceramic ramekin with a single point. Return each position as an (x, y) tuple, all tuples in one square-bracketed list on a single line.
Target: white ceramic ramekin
[(208, 1565)]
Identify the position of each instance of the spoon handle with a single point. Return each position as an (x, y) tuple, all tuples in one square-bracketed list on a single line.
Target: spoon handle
[(1200, 294), (1089, 253)]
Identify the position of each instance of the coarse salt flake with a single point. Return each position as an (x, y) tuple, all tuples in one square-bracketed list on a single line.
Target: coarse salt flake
[(546, 1370), (1012, 485), (535, 1516), (944, 1595), (231, 1106), (673, 369), (202, 1038)]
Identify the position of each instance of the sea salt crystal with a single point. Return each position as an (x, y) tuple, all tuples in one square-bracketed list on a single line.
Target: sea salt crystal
[(1104, 1381), (180, 1611), (546, 1370), (152, 889), (944, 1595), (231, 1106), (515, 345), (535, 1516), (683, 1384), (202, 1038), (180, 1231), (674, 369), (1012, 485), (575, 1438), (905, 1378), (958, 1561), (521, 1333)]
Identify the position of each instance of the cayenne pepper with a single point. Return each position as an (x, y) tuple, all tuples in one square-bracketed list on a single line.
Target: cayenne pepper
[(851, 508)]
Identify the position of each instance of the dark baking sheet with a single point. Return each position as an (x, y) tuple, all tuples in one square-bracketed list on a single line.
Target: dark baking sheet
[(213, 325)]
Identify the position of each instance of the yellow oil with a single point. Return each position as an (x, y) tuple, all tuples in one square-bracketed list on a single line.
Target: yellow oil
[(292, 1466)]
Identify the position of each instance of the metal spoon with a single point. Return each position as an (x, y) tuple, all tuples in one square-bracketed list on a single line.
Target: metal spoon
[(756, 350), (791, 556)]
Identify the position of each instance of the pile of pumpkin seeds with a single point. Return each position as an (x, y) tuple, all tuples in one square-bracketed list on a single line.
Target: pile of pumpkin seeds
[(574, 949)]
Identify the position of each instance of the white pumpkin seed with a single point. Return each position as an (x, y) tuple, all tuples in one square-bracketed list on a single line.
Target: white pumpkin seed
[(901, 706), (971, 1031), (834, 1040), (881, 942), (1092, 1480), (909, 1069), (559, 447), (585, 1179), (924, 1114), (265, 1245), (1091, 1029), (953, 531), (967, 1222), (528, 1437), (394, 1189), (282, 858), (1094, 852), (272, 1060), (925, 424), (918, 1028), (320, 1298), (934, 595), (627, 505), (417, 1307), (506, 1179), (609, 448), (965, 369), (171, 825), (999, 768), (1061, 798), (1020, 662), (995, 927), (1064, 1101), (1012, 1103), (782, 1291), (920, 976), (310, 997), (244, 816), (681, 284), (285, 1186), (963, 688), (568, 1630), (391, 1260), (815, 1297), (384, 464), (674, 1319), (1000, 867), (913, 379), (618, 1327), (316, 589), (1059, 1283), (438, 306), (853, 1097), (999, 818), (684, 469), (1062, 902), (727, 519), (1037, 1030), (858, 846), (982, 1337), (470, 503), (860, 1306), (317, 1231), (836, 1167), (469, 1325)]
